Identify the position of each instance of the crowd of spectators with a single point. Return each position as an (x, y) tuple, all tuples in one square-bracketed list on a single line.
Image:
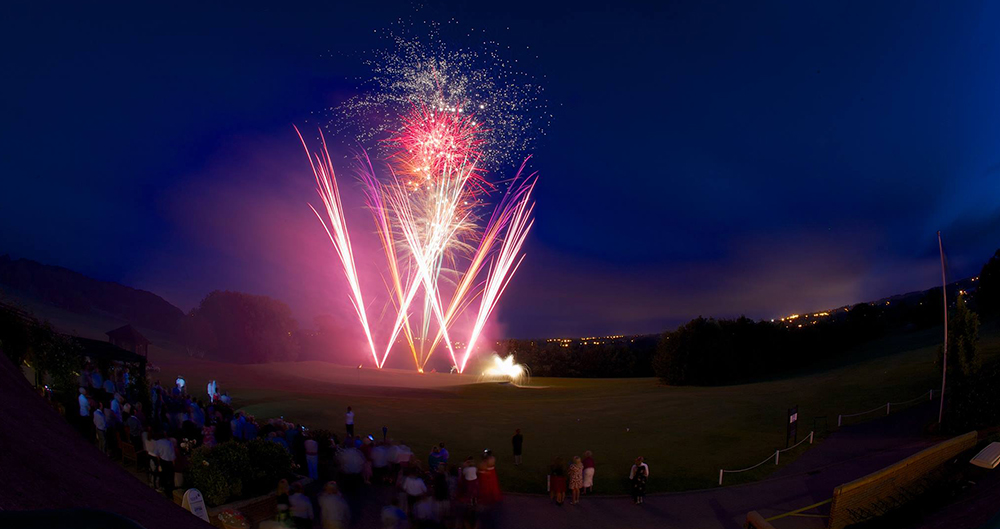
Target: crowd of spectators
[(345, 472)]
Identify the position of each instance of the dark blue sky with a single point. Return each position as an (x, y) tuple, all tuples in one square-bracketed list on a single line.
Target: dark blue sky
[(705, 157)]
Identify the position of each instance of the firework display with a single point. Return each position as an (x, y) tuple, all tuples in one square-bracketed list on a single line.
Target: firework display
[(505, 370), (418, 69), (442, 126)]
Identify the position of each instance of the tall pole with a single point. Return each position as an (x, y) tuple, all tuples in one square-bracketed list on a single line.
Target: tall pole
[(944, 362)]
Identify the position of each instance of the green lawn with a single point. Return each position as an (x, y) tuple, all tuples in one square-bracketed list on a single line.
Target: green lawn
[(685, 433)]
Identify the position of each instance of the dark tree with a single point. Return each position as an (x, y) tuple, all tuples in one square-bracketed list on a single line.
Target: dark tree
[(988, 287), (963, 338), (244, 328)]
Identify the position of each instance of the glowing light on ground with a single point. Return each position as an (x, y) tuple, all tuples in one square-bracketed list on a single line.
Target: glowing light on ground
[(505, 369)]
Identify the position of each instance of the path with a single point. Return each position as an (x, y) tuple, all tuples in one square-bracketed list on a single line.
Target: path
[(845, 455)]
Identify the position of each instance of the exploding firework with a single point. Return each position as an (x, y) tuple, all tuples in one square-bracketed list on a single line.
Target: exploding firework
[(438, 133), (423, 72), (505, 370)]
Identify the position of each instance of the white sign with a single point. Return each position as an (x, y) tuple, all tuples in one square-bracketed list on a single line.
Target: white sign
[(792, 418), (195, 503)]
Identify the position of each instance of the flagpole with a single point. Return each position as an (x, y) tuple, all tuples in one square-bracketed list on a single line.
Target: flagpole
[(944, 362)]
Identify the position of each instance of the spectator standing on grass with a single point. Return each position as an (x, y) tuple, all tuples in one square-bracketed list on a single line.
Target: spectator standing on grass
[(84, 411), (101, 425), (489, 484), (403, 456), (639, 463), (588, 471), (352, 463), (380, 462), (156, 397), (312, 457), (639, 484), (517, 443), (470, 481), (300, 507), (557, 481), (334, 511), (282, 500), (349, 421), (134, 430), (414, 487), (575, 479), (442, 492), (116, 408), (443, 453), (167, 453), (434, 459), (96, 380)]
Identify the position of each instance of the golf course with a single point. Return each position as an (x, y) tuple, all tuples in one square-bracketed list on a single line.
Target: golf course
[(686, 434)]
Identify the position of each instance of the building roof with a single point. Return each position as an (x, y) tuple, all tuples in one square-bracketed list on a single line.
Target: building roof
[(48, 465), (128, 333), (100, 350)]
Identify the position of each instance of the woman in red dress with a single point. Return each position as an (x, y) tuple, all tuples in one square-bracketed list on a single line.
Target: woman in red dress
[(489, 485)]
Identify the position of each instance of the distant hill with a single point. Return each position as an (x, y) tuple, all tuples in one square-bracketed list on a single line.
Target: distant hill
[(76, 292)]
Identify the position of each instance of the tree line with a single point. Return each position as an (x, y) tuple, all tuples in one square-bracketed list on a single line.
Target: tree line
[(712, 352)]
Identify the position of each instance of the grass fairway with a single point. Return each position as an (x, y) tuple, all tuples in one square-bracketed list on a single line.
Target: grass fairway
[(686, 433)]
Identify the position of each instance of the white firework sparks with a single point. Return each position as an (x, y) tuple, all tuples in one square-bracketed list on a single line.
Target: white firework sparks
[(480, 80)]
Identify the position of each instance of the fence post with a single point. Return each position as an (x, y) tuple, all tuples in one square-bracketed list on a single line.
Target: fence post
[(720, 476), (811, 436), (887, 405), (839, 419), (932, 395), (776, 454)]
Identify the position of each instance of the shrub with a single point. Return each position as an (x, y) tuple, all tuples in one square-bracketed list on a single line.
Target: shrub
[(269, 462), (211, 478), (234, 470)]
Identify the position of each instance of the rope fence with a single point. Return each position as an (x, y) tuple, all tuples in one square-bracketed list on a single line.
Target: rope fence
[(888, 407), (776, 457), (929, 395)]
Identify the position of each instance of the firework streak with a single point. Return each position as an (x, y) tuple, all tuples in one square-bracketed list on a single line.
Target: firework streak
[(425, 218)]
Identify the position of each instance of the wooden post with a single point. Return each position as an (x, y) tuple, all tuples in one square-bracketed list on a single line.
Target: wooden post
[(944, 361)]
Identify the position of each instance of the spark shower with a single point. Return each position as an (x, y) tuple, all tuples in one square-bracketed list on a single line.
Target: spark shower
[(445, 121)]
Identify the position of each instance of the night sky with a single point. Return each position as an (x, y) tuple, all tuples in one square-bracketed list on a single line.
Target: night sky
[(705, 158)]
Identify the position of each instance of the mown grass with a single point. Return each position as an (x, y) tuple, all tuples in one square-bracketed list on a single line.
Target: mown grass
[(685, 433)]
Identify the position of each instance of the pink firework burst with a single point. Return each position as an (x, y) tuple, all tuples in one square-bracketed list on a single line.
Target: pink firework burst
[(434, 141)]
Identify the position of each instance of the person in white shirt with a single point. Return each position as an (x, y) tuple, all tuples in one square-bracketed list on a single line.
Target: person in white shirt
[(414, 487), (300, 507), (100, 424), (84, 403), (349, 421), (403, 454), (116, 407), (84, 417), (380, 461), (638, 463), (470, 481), (165, 451), (312, 457), (334, 511)]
